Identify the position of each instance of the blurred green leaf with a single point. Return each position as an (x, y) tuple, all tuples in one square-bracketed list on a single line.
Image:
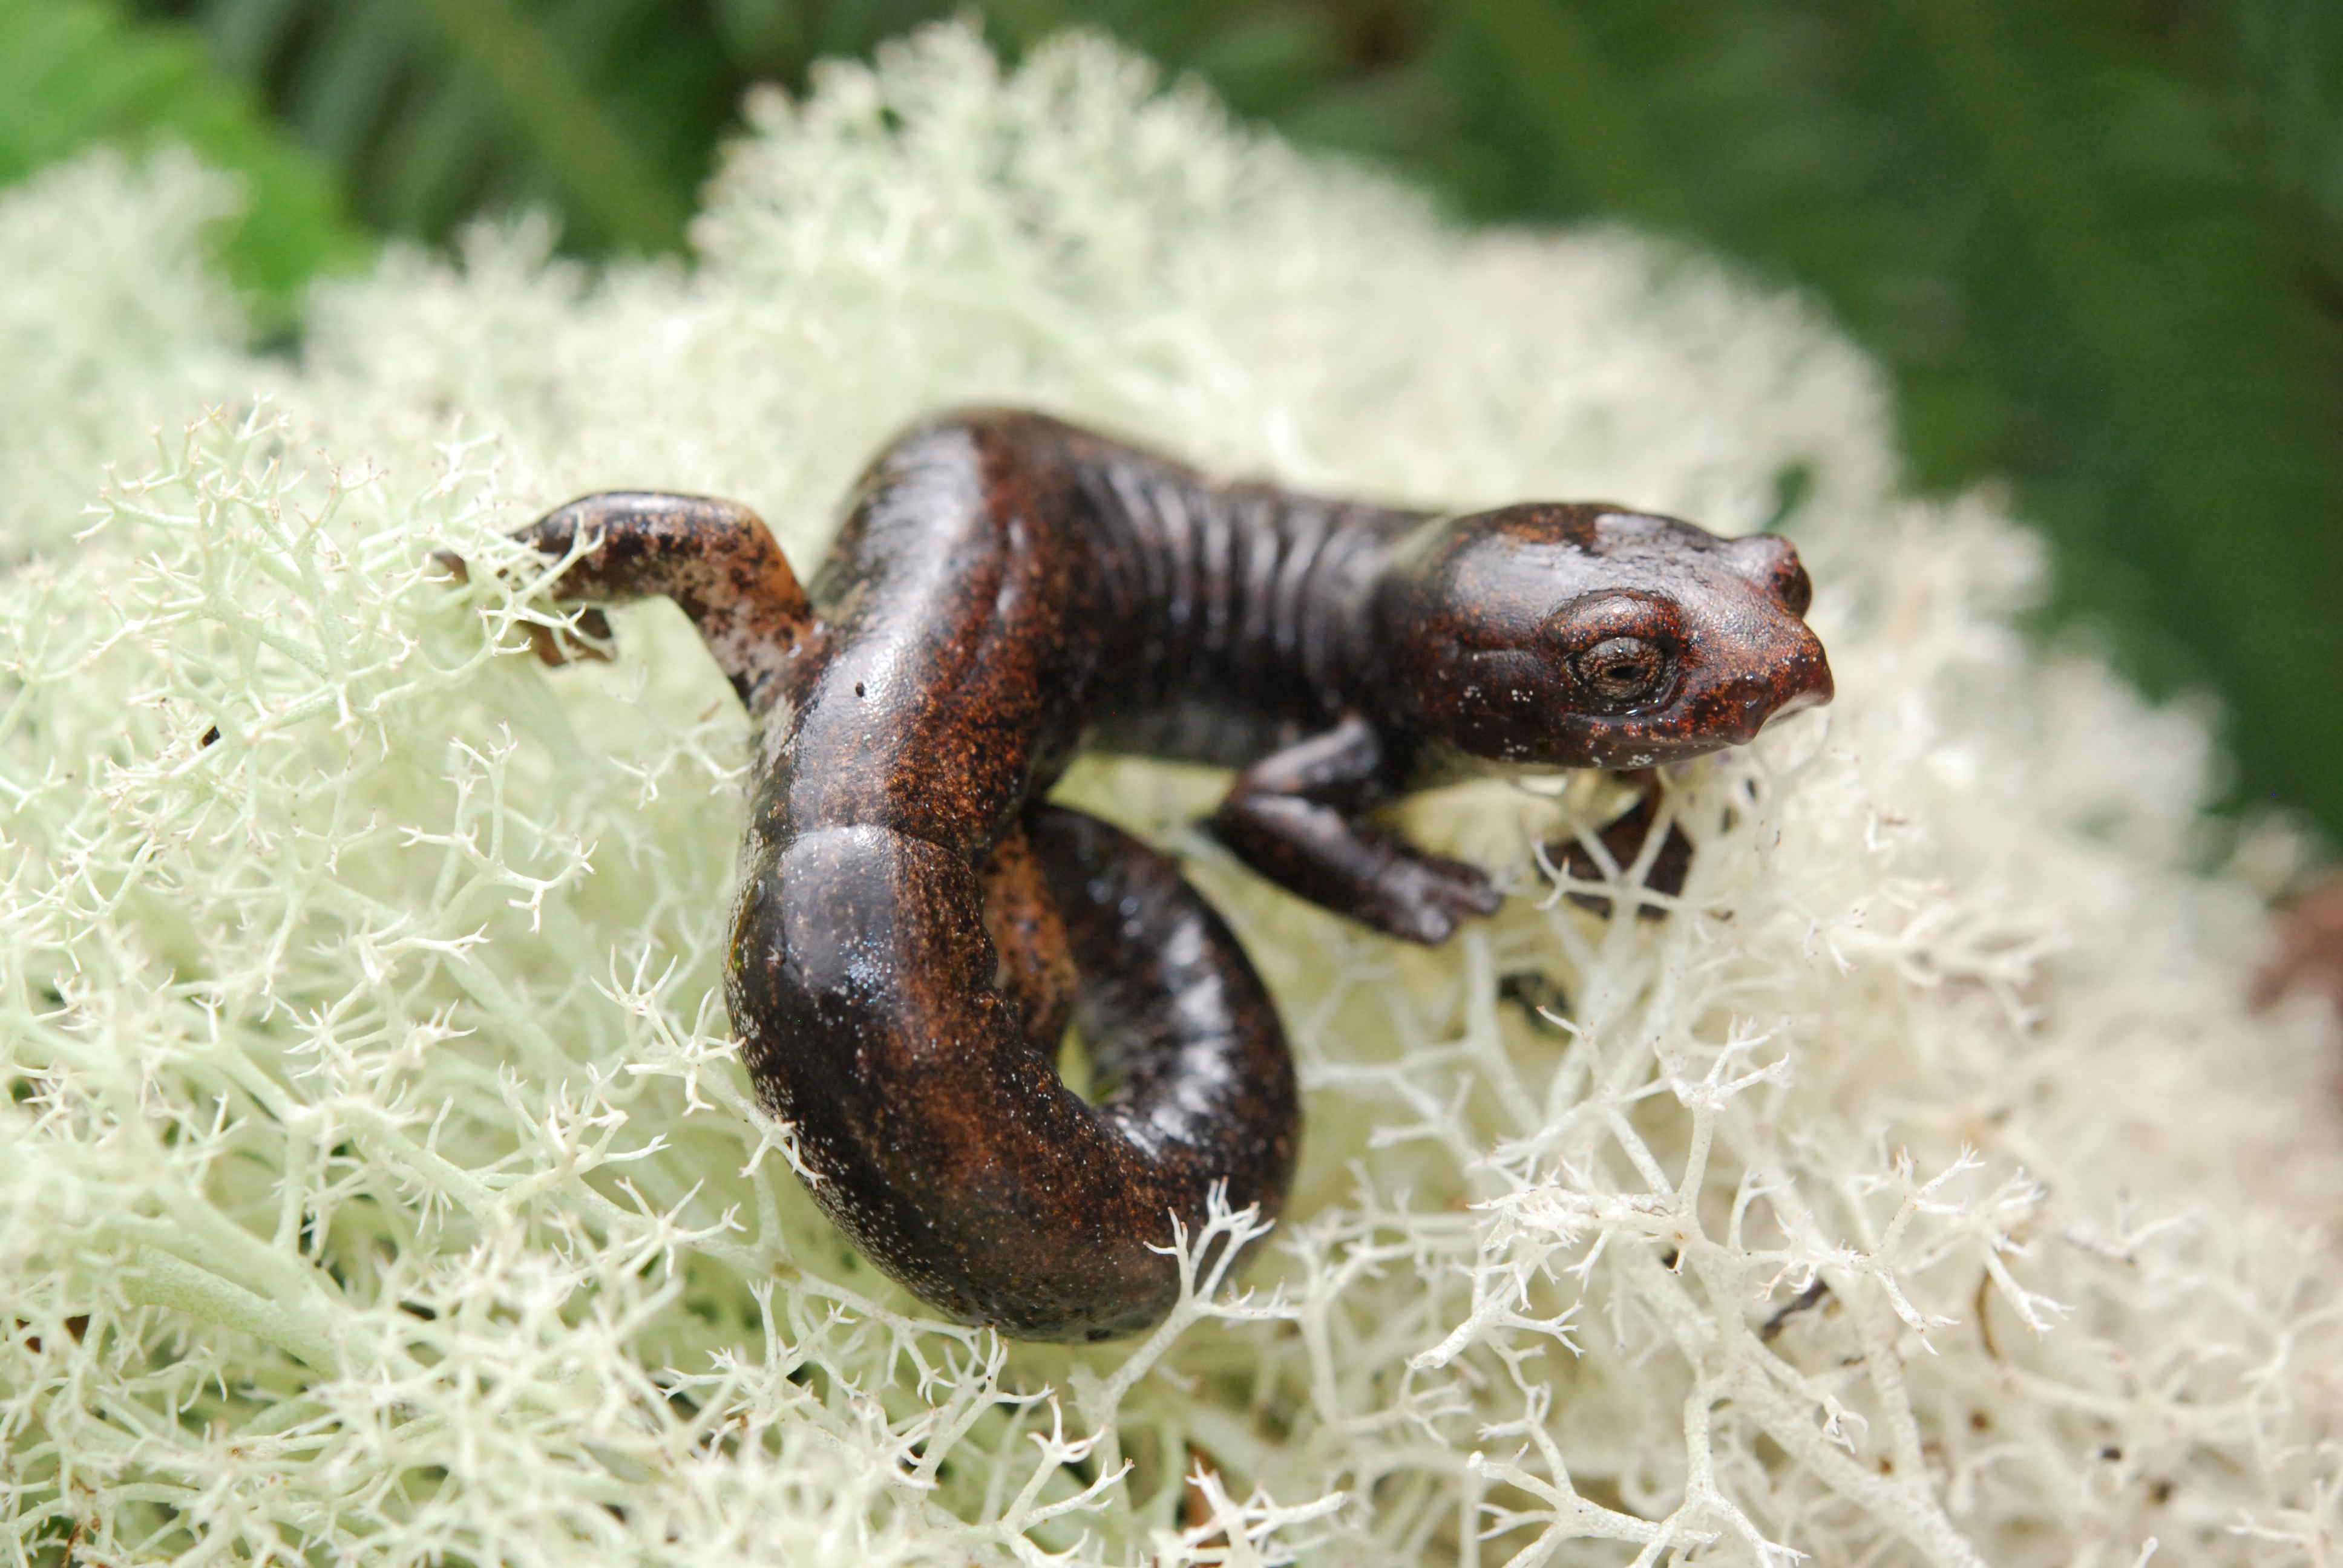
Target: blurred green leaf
[(430, 112), (74, 72)]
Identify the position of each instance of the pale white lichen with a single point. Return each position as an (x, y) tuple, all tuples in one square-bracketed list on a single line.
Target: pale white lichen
[(378, 1180)]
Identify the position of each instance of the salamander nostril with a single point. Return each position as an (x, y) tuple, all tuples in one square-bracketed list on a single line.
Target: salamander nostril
[(1794, 588), (1771, 562)]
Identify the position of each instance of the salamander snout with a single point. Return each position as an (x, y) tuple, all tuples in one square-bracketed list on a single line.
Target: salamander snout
[(1593, 635)]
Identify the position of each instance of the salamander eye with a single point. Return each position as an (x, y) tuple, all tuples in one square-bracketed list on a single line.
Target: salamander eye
[(1619, 648), (1621, 668)]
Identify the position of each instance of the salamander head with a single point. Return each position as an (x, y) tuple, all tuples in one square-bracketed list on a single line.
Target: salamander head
[(1590, 636)]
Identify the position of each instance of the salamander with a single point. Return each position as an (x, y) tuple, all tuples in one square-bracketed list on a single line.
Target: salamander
[(917, 924)]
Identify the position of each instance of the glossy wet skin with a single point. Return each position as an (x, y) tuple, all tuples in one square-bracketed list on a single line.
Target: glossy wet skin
[(916, 925), (1591, 637)]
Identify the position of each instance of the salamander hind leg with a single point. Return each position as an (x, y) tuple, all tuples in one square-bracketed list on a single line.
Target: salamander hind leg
[(715, 558)]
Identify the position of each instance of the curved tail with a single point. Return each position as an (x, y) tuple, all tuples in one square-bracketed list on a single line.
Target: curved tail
[(868, 994)]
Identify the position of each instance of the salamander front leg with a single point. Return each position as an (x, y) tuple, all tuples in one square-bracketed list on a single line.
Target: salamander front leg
[(1294, 816), (715, 558), (1622, 840)]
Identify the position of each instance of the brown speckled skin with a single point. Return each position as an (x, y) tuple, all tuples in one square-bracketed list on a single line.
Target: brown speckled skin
[(914, 926)]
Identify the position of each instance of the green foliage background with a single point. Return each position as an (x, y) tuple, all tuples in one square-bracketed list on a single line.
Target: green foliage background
[(2098, 244)]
